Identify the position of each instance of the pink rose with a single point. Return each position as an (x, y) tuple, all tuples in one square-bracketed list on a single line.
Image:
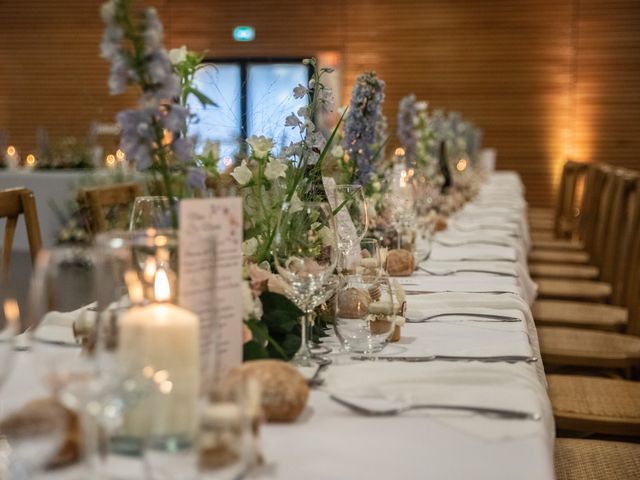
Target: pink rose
[(258, 277), (247, 336)]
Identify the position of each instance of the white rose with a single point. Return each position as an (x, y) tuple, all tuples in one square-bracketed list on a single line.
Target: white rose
[(260, 145), (295, 205), (242, 174), (249, 247), (337, 151), (274, 169), (178, 55)]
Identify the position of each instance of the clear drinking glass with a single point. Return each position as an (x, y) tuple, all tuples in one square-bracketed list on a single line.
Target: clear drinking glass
[(61, 312), (370, 263), (400, 202), (305, 254), (150, 212), (352, 220), (365, 313)]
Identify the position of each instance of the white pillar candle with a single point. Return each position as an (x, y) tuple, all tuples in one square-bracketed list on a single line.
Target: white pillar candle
[(162, 341)]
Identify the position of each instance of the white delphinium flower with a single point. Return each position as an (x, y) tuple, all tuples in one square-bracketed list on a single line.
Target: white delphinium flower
[(242, 173), (274, 169), (178, 55), (260, 145)]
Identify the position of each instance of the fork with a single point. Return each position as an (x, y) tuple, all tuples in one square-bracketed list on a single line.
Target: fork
[(492, 316), (472, 242), (390, 411), (446, 273)]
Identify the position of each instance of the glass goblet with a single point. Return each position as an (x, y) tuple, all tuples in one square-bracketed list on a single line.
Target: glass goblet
[(365, 313), (150, 212), (352, 220), (304, 252)]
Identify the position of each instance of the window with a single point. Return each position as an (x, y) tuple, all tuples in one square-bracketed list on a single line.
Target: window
[(253, 97)]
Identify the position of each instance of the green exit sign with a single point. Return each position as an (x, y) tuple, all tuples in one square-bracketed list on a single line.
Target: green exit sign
[(244, 33)]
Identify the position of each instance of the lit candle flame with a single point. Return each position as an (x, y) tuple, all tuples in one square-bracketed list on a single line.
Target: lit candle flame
[(110, 160), (119, 155), (399, 152), (31, 159), (12, 313), (11, 150), (461, 165), (161, 287)]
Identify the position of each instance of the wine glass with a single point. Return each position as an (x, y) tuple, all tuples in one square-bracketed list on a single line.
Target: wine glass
[(370, 262), (400, 202), (61, 308), (150, 212), (304, 252), (366, 310), (352, 219)]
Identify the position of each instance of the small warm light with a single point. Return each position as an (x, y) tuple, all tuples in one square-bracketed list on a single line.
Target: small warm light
[(165, 387), (11, 150), (461, 166), (161, 287), (30, 160), (161, 376), (12, 313), (120, 155), (110, 160), (149, 269), (399, 152), (167, 138), (134, 287), (411, 172), (227, 161), (148, 371)]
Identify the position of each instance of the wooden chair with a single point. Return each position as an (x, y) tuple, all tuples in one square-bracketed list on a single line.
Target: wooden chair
[(614, 206), (583, 459), (553, 228), (13, 203), (95, 200), (595, 405)]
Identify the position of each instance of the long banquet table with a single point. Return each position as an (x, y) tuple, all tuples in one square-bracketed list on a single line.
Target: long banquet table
[(331, 442)]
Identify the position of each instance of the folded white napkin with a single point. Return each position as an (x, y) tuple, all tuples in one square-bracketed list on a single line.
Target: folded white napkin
[(461, 339), (528, 288), (58, 326), (432, 283), (469, 384), (419, 305), (473, 252)]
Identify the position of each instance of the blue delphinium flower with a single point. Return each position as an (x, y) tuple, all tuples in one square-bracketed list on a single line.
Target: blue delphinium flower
[(406, 126), (362, 122)]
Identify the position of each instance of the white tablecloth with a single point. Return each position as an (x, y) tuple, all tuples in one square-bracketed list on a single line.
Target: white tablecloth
[(331, 442)]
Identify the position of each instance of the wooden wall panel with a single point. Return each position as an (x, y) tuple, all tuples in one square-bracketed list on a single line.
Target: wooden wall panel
[(545, 79)]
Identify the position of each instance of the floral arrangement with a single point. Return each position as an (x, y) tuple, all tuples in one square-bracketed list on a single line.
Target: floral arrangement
[(365, 125), (153, 135), (68, 152)]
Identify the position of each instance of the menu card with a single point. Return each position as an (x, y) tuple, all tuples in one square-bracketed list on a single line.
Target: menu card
[(210, 279)]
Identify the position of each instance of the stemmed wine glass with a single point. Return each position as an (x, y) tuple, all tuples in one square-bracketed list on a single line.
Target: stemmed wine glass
[(9, 328), (352, 219), (305, 256), (400, 201), (150, 212)]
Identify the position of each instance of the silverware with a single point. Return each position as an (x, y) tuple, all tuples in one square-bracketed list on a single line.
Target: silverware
[(492, 316), (315, 380), (449, 358), (472, 242), (389, 411), (421, 292), (446, 273)]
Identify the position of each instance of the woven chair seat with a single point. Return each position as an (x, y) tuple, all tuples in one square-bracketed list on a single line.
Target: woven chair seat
[(580, 459), (541, 211), (558, 244), (537, 235), (555, 256), (540, 223), (561, 270), (588, 348), (573, 289), (579, 314), (595, 405)]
